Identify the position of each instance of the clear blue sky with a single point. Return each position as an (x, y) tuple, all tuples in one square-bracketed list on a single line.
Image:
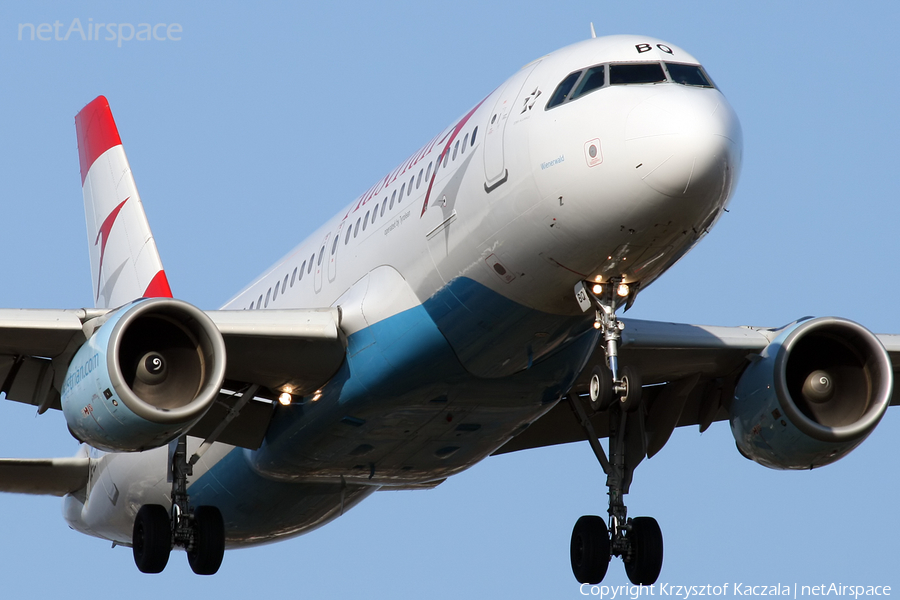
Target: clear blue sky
[(261, 122)]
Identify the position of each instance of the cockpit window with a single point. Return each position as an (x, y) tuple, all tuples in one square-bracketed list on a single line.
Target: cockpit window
[(636, 73), (581, 83), (594, 79), (688, 75), (563, 89)]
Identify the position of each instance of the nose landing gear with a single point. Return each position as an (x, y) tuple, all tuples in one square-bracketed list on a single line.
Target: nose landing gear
[(618, 392)]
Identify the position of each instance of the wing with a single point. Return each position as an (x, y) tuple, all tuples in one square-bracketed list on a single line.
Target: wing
[(272, 349), (689, 373)]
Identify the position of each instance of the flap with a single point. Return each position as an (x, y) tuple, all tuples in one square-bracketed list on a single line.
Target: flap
[(279, 349), (247, 429)]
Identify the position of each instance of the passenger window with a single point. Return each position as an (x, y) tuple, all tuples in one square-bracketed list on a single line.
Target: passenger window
[(464, 144), (321, 254), (374, 214), (293, 276), (347, 237), (419, 180), (334, 245), (428, 172), (275, 295), (251, 305), (311, 260), (259, 302), (302, 268), (394, 195), (268, 294), (409, 189), (455, 148), (446, 157), (639, 73), (284, 284), (383, 206), (402, 188), (474, 133), (365, 221), (561, 94)]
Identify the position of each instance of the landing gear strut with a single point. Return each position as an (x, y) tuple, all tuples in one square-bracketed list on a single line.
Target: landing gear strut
[(200, 530), (618, 392)]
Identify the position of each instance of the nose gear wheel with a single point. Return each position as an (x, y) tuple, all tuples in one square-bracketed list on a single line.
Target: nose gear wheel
[(617, 391)]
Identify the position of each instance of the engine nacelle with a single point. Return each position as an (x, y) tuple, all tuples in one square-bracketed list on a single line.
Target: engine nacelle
[(148, 374), (814, 394)]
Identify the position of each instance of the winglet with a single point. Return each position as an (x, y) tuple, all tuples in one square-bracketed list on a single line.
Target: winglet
[(125, 264)]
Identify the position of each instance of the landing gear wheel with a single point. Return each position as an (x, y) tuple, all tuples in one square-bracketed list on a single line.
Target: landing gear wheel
[(646, 556), (152, 538), (631, 399), (601, 391), (208, 549), (589, 549)]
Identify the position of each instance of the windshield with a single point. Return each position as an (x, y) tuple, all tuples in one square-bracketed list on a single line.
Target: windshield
[(581, 83)]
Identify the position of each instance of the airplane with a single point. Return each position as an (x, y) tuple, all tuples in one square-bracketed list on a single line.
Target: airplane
[(465, 305)]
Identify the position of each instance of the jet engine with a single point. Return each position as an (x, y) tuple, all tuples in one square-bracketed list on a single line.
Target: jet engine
[(813, 395), (147, 375)]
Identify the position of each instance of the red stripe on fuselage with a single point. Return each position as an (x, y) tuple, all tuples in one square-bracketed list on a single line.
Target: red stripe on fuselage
[(96, 131), (456, 130)]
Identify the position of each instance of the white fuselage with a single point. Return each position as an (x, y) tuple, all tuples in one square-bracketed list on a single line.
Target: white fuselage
[(482, 233)]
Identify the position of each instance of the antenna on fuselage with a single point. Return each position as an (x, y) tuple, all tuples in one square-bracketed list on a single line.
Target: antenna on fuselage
[(593, 33)]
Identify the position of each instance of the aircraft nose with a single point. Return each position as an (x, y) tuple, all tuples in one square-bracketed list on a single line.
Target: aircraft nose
[(685, 143)]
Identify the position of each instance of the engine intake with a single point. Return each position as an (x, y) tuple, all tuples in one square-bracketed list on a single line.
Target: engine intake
[(815, 393), (147, 375)]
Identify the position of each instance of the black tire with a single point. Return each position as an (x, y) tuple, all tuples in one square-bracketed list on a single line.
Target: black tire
[(589, 549), (151, 539), (601, 388), (205, 557), (646, 551), (632, 398)]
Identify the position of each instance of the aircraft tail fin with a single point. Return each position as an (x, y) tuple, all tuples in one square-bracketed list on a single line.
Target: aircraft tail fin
[(125, 264)]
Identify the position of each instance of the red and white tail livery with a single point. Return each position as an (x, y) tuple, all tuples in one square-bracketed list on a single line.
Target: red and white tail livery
[(125, 264)]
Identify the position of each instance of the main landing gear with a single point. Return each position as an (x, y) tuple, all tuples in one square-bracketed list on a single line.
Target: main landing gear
[(200, 531), (618, 392)]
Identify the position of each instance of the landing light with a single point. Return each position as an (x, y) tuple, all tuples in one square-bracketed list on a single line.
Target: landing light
[(285, 399), (622, 290), (316, 396), (597, 289)]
